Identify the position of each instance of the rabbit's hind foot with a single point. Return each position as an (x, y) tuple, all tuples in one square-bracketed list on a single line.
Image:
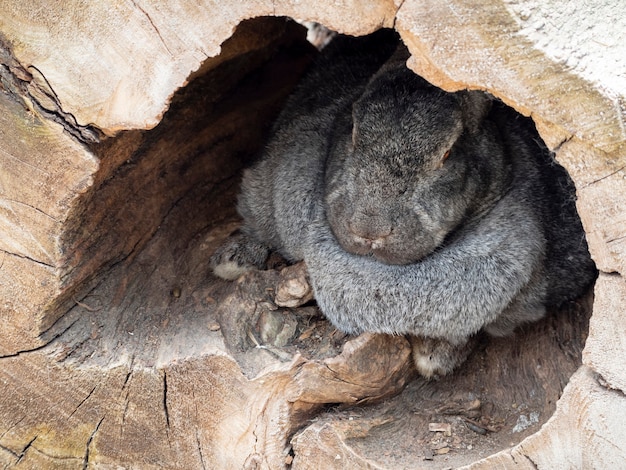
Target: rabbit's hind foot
[(437, 357)]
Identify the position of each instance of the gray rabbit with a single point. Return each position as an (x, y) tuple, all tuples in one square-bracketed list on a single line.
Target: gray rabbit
[(417, 211)]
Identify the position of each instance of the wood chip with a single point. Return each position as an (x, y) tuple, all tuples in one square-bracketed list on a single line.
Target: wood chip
[(293, 289), (214, 326), (477, 427), (475, 405), (306, 334), (445, 428)]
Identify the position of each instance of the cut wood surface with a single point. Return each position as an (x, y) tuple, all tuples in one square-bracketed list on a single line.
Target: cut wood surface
[(118, 349), (96, 58)]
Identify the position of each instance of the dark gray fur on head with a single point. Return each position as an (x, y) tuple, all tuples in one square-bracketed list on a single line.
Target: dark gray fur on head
[(416, 211)]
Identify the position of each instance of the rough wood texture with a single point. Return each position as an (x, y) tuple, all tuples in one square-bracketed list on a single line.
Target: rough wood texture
[(106, 200), (579, 109), (42, 173), (606, 347), (504, 393), (161, 43), (148, 362), (595, 413)]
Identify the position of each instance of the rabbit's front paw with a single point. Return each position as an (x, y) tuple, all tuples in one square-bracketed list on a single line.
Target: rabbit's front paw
[(438, 357), (238, 255)]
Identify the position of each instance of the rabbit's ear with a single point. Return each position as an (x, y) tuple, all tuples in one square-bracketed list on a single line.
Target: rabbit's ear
[(401, 54), (475, 106), (397, 60)]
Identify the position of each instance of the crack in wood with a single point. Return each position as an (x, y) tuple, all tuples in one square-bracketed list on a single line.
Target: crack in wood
[(202, 462), (617, 450), (560, 145), (616, 239), (19, 80), (85, 134), (607, 386), (127, 378), (336, 376), (88, 445), (530, 461), (165, 407), (83, 401), (65, 317), (604, 177), (21, 203), (14, 425), (10, 451), (395, 16), (46, 90), (41, 263), (153, 27), (38, 348), (52, 457), (127, 395), (25, 163), (25, 449)]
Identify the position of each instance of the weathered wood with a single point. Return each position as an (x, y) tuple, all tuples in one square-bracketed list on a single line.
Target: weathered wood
[(142, 377), (503, 394), (520, 57), (138, 53), (606, 348), (294, 289), (145, 365), (117, 347), (105, 201), (586, 431), (42, 173)]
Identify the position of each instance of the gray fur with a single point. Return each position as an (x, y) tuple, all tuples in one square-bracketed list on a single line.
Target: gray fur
[(396, 238)]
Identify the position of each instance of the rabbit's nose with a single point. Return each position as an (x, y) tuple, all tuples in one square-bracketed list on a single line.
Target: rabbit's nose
[(375, 244), (373, 236)]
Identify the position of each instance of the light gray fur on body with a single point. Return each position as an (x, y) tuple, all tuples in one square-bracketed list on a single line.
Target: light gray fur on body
[(416, 211)]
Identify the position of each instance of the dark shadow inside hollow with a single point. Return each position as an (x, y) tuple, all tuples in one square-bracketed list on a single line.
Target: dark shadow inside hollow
[(166, 200)]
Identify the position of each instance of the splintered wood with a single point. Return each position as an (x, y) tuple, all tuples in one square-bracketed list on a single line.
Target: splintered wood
[(294, 288)]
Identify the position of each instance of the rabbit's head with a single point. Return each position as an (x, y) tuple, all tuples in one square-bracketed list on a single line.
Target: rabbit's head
[(399, 178)]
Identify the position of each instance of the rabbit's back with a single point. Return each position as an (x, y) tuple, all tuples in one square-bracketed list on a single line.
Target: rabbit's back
[(569, 269)]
